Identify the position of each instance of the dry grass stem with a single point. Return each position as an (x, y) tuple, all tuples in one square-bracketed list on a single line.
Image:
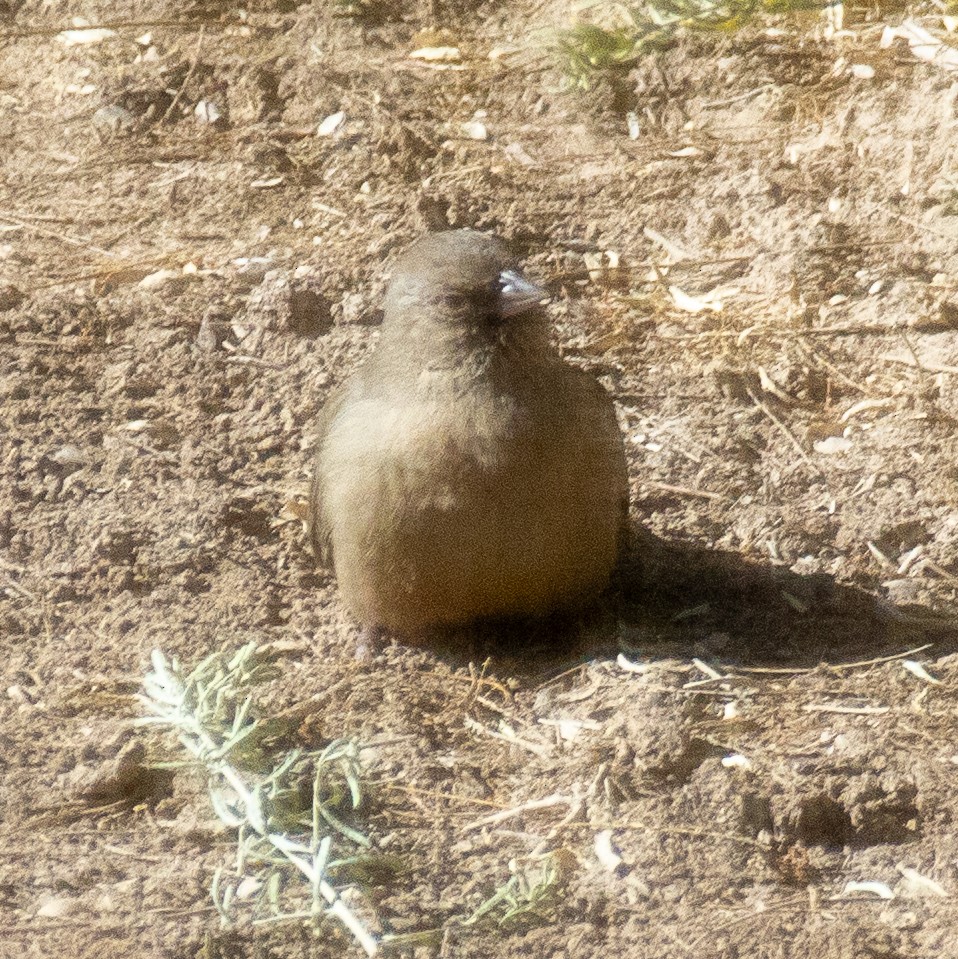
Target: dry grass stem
[(534, 805)]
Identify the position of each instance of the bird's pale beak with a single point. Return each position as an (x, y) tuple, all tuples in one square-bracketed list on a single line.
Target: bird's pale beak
[(517, 294)]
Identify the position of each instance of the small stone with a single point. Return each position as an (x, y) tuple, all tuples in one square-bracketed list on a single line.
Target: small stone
[(516, 152), (18, 694), (69, 457), (437, 54), (210, 334), (52, 907), (832, 445), (251, 270), (331, 124), (475, 130), (209, 113), (948, 315), (113, 120), (352, 309)]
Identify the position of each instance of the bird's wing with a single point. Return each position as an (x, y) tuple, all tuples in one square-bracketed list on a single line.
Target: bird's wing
[(608, 431), (319, 523), (614, 436)]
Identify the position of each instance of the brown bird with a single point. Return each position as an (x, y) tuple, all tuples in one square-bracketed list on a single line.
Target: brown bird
[(467, 472)]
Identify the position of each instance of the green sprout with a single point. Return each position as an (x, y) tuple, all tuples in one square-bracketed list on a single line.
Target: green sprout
[(532, 894)]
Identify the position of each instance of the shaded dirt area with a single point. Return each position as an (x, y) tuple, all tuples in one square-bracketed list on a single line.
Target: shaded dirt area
[(793, 465)]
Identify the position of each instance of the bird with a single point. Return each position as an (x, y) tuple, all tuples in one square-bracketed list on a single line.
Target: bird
[(466, 472)]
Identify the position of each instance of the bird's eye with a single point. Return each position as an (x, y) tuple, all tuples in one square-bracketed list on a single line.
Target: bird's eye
[(473, 299)]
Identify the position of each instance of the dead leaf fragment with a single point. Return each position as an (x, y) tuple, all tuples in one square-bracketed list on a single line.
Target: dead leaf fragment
[(919, 671), (599, 265), (437, 55), (880, 889), (921, 886), (173, 280), (832, 445), (604, 852), (629, 666), (84, 37), (331, 124), (922, 44), (693, 304)]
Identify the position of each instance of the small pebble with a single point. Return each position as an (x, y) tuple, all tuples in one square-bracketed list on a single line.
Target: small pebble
[(331, 124), (210, 113), (69, 456), (113, 120)]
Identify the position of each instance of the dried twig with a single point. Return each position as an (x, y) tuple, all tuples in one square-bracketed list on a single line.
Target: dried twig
[(83, 242), (549, 802), (850, 710), (512, 738), (940, 570), (107, 25), (787, 432), (684, 490), (189, 75), (858, 664), (924, 366)]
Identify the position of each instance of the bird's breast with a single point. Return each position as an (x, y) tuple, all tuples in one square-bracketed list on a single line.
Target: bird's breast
[(453, 502)]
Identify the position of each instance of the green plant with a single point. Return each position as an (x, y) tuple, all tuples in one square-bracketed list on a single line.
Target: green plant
[(531, 895), (294, 814), (289, 816), (586, 50)]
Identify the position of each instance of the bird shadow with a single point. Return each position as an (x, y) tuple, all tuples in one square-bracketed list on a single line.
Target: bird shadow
[(679, 600)]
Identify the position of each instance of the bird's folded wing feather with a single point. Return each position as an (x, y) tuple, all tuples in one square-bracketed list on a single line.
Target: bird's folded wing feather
[(610, 432), (319, 524)]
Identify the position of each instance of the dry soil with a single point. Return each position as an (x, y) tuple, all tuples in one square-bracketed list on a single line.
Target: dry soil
[(781, 339)]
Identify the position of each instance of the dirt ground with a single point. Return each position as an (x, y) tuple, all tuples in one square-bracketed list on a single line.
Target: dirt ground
[(790, 727)]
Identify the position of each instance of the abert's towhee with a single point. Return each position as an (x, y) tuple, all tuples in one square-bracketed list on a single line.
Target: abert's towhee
[(466, 471)]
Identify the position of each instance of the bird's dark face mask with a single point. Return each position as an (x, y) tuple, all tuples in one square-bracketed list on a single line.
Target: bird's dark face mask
[(494, 304), (456, 298)]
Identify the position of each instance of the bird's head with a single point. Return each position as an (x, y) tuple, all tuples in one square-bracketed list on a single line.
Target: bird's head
[(461, 280)]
